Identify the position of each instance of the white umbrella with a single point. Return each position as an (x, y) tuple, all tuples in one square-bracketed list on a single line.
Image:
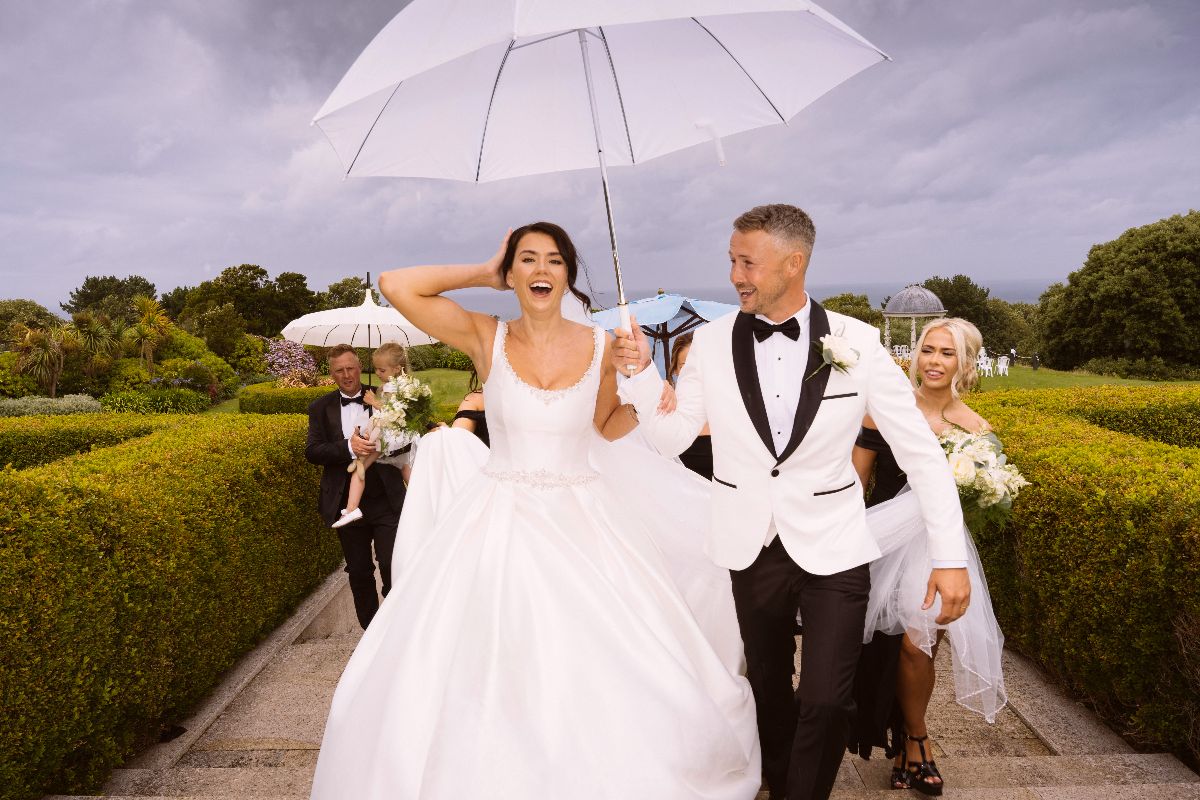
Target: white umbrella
[(368, 325), (665, 316), (478, 90)]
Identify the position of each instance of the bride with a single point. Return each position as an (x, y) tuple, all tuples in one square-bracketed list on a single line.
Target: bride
[(553, 629)]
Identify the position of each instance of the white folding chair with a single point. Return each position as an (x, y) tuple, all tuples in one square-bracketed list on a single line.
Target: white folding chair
[(1002, 366), (984, 366)]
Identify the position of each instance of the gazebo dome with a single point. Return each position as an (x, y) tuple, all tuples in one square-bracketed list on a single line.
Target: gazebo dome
[(914, 301)]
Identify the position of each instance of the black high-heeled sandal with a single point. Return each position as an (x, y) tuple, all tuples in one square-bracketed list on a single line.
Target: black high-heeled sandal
[(921, 772)]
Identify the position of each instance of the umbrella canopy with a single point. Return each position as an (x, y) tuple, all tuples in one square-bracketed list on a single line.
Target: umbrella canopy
[(665, 316), (479, 90), (367, 325)]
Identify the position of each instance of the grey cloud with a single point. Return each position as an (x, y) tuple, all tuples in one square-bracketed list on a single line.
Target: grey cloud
[(172, 140)]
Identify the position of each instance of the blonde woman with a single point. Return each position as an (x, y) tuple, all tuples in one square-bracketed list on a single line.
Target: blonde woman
[(896, 674)]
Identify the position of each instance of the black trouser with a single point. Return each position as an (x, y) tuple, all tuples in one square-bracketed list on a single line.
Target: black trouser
[(378, 528), (803, 735)]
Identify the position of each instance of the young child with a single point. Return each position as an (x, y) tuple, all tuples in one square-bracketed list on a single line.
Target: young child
[(390, 360)]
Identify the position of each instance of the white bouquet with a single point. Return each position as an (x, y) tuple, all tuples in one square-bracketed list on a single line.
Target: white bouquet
[(987, 483), (405, 407)]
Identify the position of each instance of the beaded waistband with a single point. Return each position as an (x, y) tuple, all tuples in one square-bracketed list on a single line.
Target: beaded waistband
[(541, 478)]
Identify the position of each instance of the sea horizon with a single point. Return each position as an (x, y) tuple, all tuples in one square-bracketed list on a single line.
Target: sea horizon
[(504, 304)]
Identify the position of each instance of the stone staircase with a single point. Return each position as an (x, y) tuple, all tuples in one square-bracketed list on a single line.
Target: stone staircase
[(261, 741)]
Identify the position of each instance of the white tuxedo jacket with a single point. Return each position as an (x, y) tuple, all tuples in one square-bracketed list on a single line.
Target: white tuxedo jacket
[(810, 489)]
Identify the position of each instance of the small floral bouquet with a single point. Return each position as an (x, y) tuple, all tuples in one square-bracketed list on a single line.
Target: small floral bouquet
[(987, 483), (405, 408)]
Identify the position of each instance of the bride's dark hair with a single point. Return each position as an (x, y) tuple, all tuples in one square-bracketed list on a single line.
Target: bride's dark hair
[(566, 248)]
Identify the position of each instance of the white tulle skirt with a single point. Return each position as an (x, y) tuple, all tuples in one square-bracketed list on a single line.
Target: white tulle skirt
[(898, 584)]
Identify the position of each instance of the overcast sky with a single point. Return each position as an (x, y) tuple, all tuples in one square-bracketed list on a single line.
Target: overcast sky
[(170, 139)]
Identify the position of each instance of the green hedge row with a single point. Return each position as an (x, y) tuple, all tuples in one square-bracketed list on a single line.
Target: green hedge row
[(156, 401), (265, 398), (1097, 576), (132, 577), (30, 441)]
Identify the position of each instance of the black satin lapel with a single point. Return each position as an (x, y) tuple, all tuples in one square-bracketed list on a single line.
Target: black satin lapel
[(333, 415), (746, 369), (813, 388)]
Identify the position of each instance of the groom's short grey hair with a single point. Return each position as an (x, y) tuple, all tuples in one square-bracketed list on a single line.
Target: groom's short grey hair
[(788, 224)]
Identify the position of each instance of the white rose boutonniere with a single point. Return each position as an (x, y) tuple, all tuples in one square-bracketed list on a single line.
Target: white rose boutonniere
[(837, 353)]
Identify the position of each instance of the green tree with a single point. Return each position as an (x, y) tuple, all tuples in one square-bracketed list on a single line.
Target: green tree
[(962, 297), (41, 353), (1136, 298), (290, 298), (148, 330), (173, 302), (346, 292), (99, 338), (855, 305), (222, 329), (25, 313), (109, 295), (1006, 327)]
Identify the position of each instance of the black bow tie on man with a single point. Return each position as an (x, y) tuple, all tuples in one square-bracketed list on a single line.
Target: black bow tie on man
[(763, 330), (358, 398)]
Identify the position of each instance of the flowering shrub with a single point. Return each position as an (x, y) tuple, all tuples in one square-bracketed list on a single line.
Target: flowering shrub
[(286, 358), (34, 406)]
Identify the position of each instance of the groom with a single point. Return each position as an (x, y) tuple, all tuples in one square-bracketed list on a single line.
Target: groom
[(333, 443), (788, 518)]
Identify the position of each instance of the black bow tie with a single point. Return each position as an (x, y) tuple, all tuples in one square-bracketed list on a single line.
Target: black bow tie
[(358, 398), (790, 328)]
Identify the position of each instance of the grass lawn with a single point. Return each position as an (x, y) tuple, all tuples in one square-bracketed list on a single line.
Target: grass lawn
[(449, 386), (230, 406), (1025, 377)]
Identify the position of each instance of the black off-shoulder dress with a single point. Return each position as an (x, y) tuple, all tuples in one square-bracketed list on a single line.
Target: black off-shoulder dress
[(480, 420), (878, 721)]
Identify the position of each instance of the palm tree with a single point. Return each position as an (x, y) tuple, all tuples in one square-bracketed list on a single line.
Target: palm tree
[(98, 336), (41, 352), (151, 327)]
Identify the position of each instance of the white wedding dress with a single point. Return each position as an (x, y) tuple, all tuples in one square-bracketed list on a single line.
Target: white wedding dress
[(554, 630)]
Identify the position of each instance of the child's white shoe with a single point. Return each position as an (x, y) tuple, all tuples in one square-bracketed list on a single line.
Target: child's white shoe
[(348, 517)]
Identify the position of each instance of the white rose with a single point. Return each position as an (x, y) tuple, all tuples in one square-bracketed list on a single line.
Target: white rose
[(962, 467), (839, 351)]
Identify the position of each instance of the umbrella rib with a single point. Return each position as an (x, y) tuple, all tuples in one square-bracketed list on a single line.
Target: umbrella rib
[(620, 99), (372, 128), (743, 69), (488, 116)]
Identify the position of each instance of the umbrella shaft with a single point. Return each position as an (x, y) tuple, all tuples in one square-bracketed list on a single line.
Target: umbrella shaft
[(612, 227)]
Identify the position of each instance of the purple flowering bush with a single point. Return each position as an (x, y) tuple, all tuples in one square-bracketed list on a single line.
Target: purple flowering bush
[(288, 359)]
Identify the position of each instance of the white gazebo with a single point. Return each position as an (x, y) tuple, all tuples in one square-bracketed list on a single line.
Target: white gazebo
[(912, 302)]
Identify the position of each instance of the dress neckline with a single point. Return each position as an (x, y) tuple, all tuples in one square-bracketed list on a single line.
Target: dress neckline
[(546, 395)]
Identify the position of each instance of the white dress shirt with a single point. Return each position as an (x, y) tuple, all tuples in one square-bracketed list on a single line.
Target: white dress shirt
[(353, 415), (781, 364)]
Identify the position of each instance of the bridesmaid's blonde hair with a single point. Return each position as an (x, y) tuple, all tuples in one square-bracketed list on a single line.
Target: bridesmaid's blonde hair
[(967, 341)]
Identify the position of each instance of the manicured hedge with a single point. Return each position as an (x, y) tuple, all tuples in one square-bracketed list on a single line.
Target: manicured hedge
[(265, 398), (131, 577), (31, 441), (156, 401), (1097, 576)]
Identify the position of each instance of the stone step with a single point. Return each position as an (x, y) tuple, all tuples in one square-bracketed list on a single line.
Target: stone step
[(1123, 776), (1014, 772), (211, 781), (1157, 791)]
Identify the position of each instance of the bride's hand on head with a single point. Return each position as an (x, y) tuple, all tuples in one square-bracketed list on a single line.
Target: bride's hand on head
[(495, 262)]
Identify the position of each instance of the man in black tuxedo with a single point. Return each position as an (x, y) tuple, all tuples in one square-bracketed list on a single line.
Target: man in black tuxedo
[(333, 442)]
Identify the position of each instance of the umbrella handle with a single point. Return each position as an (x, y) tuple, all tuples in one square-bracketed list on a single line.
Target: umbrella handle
[(623, 309)]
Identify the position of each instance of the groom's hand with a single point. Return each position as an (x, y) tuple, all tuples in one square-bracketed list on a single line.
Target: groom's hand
[(631, 351), (955, 588), (361, 447)]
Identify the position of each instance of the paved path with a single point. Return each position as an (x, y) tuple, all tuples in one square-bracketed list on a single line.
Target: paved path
[(260, 736)]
